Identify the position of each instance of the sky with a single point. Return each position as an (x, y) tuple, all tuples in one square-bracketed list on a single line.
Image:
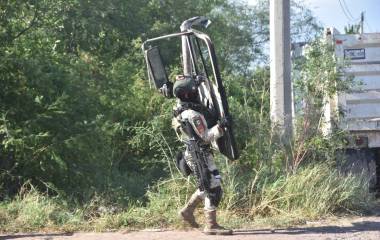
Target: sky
[(339, 13)]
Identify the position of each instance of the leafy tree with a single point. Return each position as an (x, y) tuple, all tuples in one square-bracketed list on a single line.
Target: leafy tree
[(76, 113)]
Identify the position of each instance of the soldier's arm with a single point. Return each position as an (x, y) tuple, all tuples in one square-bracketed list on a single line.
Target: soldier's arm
[(200, 127)]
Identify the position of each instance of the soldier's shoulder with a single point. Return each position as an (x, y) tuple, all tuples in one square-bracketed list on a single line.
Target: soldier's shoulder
[(190, 113)]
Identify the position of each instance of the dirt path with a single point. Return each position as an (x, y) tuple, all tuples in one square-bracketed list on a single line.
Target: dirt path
[(366, 228)]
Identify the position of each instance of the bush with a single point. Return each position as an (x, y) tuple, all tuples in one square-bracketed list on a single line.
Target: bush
[(33, 211), (315, 191)]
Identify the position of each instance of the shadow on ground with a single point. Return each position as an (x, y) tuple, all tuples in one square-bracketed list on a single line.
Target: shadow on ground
[(44, 235), (367, 226)]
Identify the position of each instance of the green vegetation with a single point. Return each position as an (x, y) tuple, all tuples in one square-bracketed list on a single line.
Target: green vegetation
[(86, 145), (250, 200)]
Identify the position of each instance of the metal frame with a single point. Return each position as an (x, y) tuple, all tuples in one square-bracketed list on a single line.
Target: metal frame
[(228, 136)]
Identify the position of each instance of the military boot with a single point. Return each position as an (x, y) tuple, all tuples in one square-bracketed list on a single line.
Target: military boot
[(187, 213), (212, 227)]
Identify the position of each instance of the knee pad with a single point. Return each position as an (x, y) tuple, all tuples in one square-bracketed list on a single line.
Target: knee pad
[(215, 195)]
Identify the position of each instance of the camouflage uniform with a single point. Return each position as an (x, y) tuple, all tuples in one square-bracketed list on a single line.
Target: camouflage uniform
[(208, 137)]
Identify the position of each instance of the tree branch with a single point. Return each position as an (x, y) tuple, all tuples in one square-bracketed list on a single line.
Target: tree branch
[(31, 24)]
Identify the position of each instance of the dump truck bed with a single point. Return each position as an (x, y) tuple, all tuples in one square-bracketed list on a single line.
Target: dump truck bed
[(361, 107)]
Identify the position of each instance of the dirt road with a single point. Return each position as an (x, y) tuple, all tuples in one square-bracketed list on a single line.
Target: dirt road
[(366, 228)]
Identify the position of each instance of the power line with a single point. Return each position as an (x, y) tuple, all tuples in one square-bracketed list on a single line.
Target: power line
[(369, 27), (350, 17), (344, 11), (347, 9)]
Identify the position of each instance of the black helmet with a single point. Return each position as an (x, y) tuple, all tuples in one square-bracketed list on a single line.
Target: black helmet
[(185, 88)]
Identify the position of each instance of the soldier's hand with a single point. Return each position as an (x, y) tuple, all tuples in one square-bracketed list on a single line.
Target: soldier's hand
[(167, 89), (224, 122)]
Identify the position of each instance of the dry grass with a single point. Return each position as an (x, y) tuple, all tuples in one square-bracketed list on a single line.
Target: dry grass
[(252, 200)]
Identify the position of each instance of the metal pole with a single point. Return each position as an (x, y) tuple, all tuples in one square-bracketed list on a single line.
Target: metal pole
[(186, 26), (186, 57), (362, 23), (280, 67)]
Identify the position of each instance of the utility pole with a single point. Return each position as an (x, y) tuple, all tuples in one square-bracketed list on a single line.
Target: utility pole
[(362, 23), (280, 67)]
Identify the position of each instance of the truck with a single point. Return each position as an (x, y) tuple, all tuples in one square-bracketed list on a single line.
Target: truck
[(360, 55)]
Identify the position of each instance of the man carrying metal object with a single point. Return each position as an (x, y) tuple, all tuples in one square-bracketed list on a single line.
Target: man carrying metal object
[(201, 115), (191, 126)]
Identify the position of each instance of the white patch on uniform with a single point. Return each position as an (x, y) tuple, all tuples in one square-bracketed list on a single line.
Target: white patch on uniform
[(198, 123)]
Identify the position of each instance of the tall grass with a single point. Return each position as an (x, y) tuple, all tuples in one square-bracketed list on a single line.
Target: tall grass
[(253, 190), (249, 195), (313, 191), (33, 211)]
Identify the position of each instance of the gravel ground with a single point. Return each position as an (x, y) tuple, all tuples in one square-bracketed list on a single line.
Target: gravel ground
[(365, 228)]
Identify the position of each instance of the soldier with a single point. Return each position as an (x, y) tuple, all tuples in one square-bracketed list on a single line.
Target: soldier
[(191, 121)]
